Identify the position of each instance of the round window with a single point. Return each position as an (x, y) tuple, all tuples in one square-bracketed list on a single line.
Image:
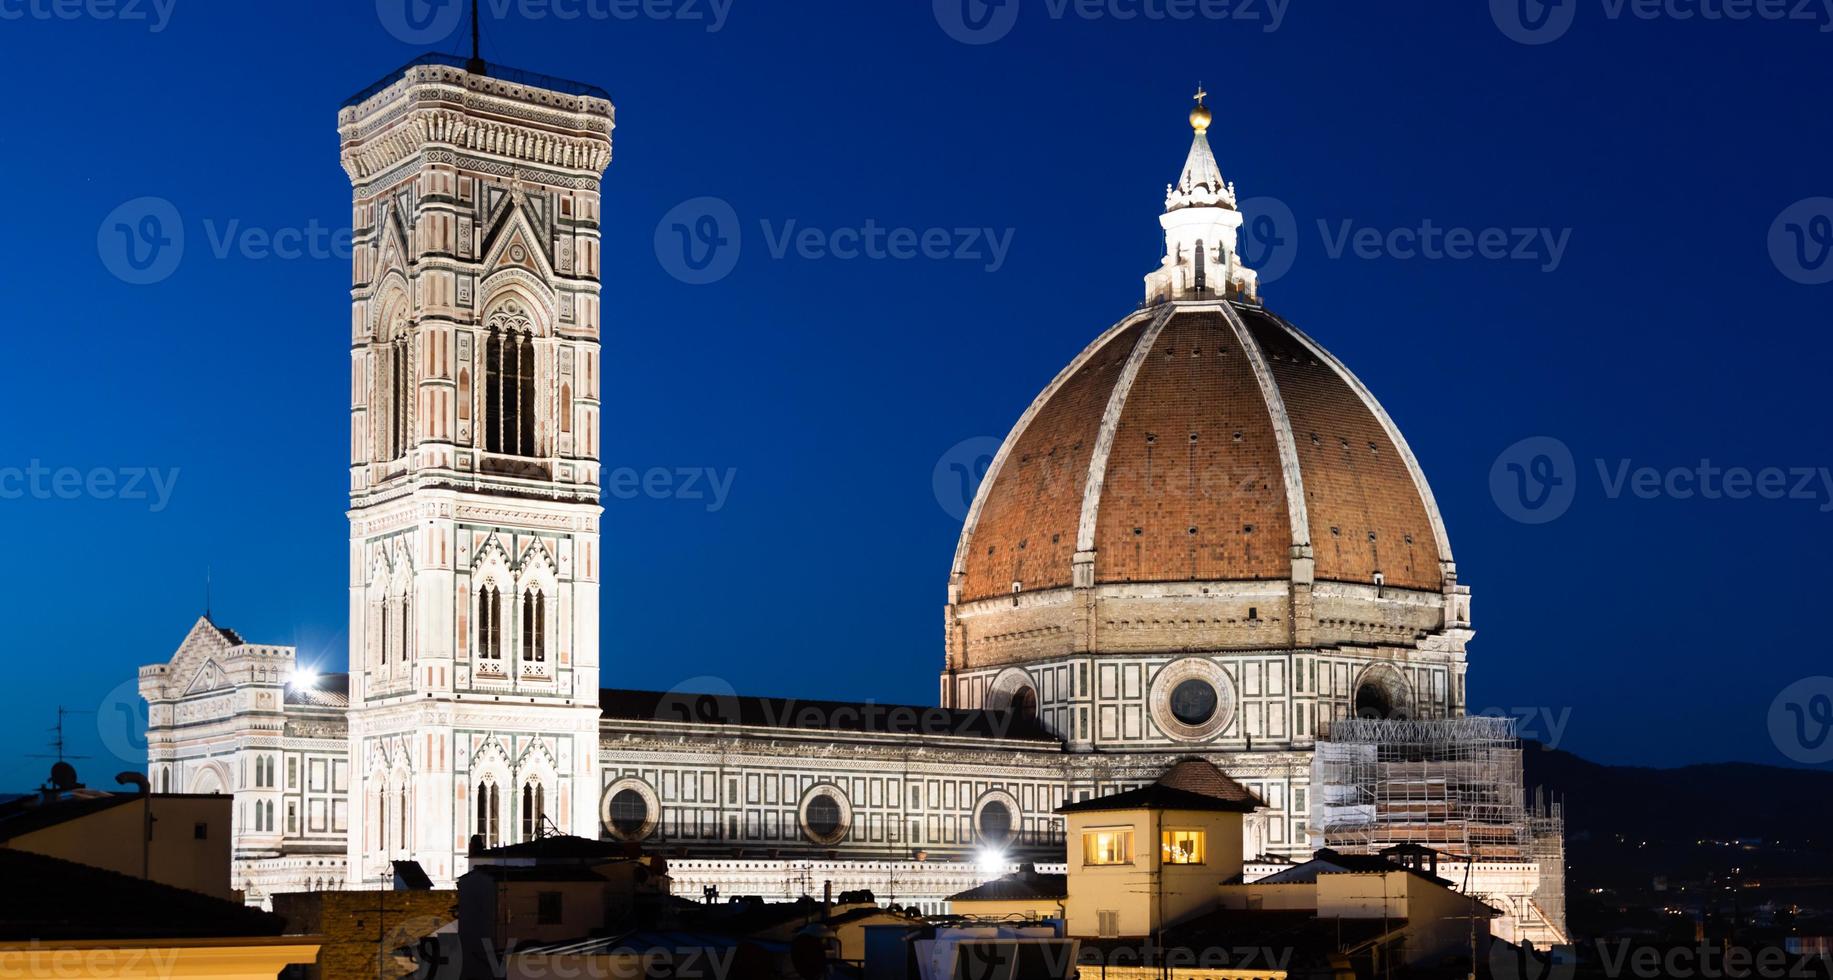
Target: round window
[(629, 814), (823, 817), (995, 823), (1193, 702)]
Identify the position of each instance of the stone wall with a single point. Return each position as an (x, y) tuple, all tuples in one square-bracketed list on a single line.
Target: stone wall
[(364, 931)]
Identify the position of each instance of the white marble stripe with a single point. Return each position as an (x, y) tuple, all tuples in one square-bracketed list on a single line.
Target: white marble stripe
[(1297, 511), (1110, 421)]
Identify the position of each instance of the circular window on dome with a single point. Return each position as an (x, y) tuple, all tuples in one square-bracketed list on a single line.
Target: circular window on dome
[(1192, 699), (995, 823), (630, 810), (629, 813), (1193, 702), (825, 815)]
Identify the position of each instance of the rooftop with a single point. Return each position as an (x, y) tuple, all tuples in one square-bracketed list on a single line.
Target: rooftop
[(557, 847), (328, 691), (504, 72), (29, 814), (1193, 784), (66, 901), (1022, 886)]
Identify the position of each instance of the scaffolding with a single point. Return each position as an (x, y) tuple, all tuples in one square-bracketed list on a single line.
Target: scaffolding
[(1451, 784), (1547, 837)]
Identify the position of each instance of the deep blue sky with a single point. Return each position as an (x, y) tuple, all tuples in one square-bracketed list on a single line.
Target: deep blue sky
[(1667, 334)]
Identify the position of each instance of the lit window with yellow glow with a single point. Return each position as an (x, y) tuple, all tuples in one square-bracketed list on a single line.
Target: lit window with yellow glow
[(1107, 847), (1184, 846)]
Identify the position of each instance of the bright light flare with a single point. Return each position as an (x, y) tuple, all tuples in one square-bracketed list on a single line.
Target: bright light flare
[(992, 862), (302, 679)]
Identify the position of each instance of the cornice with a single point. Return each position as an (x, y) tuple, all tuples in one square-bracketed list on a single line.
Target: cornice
[(468, 135)]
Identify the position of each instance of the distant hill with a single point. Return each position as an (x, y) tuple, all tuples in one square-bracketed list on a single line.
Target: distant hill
[(1726, 801)]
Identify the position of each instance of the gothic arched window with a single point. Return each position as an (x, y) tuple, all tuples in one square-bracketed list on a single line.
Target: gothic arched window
[(488, 814), (534, 625), (401, 391), (489, 623), (401, 814), (509, 384), (533, 800)]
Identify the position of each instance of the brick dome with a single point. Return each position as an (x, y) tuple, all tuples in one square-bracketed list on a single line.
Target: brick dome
[(1199, 442), (1177, 418)]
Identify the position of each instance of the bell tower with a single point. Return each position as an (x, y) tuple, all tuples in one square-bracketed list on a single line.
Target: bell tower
[(474, 461)]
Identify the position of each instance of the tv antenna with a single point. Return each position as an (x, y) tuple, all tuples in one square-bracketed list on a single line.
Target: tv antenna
[(58, 741), (476, 65)]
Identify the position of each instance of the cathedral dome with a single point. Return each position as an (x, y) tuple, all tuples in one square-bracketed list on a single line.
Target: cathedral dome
[(1201, 442), (1204, 476)]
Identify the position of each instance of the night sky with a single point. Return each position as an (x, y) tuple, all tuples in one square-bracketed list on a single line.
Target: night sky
[(1652, 188)]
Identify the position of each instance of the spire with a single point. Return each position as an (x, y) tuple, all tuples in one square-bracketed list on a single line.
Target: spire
[(1201, 228), (1201, 183)]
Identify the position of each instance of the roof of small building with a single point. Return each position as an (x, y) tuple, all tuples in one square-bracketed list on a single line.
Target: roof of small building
[(1202, 776), (821, 716), (1192, 784), (558, 847), (1328, 861), (1021, 887), (29, 814), (648, 941), (409, 875), (52, 899)]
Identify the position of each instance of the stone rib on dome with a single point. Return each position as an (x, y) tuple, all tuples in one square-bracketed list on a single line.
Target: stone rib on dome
[(1179, 469)]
